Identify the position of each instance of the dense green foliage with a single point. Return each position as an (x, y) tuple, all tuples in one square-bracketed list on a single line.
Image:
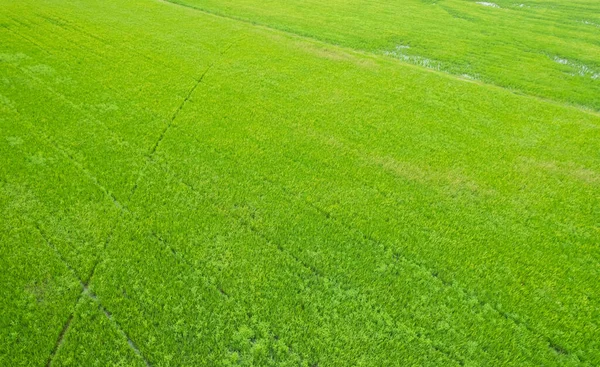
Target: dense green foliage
[(180, 188), (544, 48)]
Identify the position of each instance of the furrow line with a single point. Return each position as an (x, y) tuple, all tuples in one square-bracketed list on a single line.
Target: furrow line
[(83, 284), (150, 155), (397, 256), (186, 99), (101, 256), (67, 100), (118, 327), (85, 290), (395, 253), (67, 324), (79, 29), (311, 269), (74, 105), (580, 108), (162, 135), (60, 339), (181, 258), (27, 39), (177, 111), (73, 160), (59, 254)]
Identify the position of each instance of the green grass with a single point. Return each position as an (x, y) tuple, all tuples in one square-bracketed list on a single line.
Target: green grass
[(181, 188)]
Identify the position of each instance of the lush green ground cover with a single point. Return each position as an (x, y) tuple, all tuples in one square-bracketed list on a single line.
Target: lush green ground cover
[(547, 48), (180, 188)]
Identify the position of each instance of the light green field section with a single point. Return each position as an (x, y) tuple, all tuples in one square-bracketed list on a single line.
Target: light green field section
[(545, 48), (180, 188)]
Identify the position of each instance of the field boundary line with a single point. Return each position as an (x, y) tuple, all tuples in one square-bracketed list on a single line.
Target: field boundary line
[(381, 56), (84, 285), (118, 327), (152, 152), (397, 254), (316, 273), (84, 291)]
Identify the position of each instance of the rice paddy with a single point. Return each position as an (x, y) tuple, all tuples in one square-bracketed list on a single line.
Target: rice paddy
[(300, 183)]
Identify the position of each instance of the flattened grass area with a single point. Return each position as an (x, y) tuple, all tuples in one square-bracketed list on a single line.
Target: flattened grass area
[(184, 188)]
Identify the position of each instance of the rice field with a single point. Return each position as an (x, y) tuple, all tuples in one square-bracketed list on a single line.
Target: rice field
[(299, 183)]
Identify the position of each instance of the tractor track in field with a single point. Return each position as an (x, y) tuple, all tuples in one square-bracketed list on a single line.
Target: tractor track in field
[(556, 347), (84, 284), (397, 256), (152, 152), (315, 272), (59, 95), (322, 212), (119, 329), (580, 108), (85, 291)]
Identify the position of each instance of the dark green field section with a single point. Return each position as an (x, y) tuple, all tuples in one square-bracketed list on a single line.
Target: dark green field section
[(179, 188)]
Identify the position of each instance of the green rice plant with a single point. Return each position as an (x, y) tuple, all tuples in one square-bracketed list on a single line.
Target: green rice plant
[(181, 186)]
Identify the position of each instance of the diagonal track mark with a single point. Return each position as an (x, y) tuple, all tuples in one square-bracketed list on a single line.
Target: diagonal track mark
[(581, 108), (387, 247), (86, 291), (67, 324), (118, 327), (83, 284), (178, 110), (397, 256), (315, 272), (77, 164), (46, 50), (164, 132), (60, 339)]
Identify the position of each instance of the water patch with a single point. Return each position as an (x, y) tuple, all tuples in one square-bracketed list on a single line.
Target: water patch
[(561, 61), (468, 77), (399, 53), (578, 69), (491, 5), (586, 22)]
